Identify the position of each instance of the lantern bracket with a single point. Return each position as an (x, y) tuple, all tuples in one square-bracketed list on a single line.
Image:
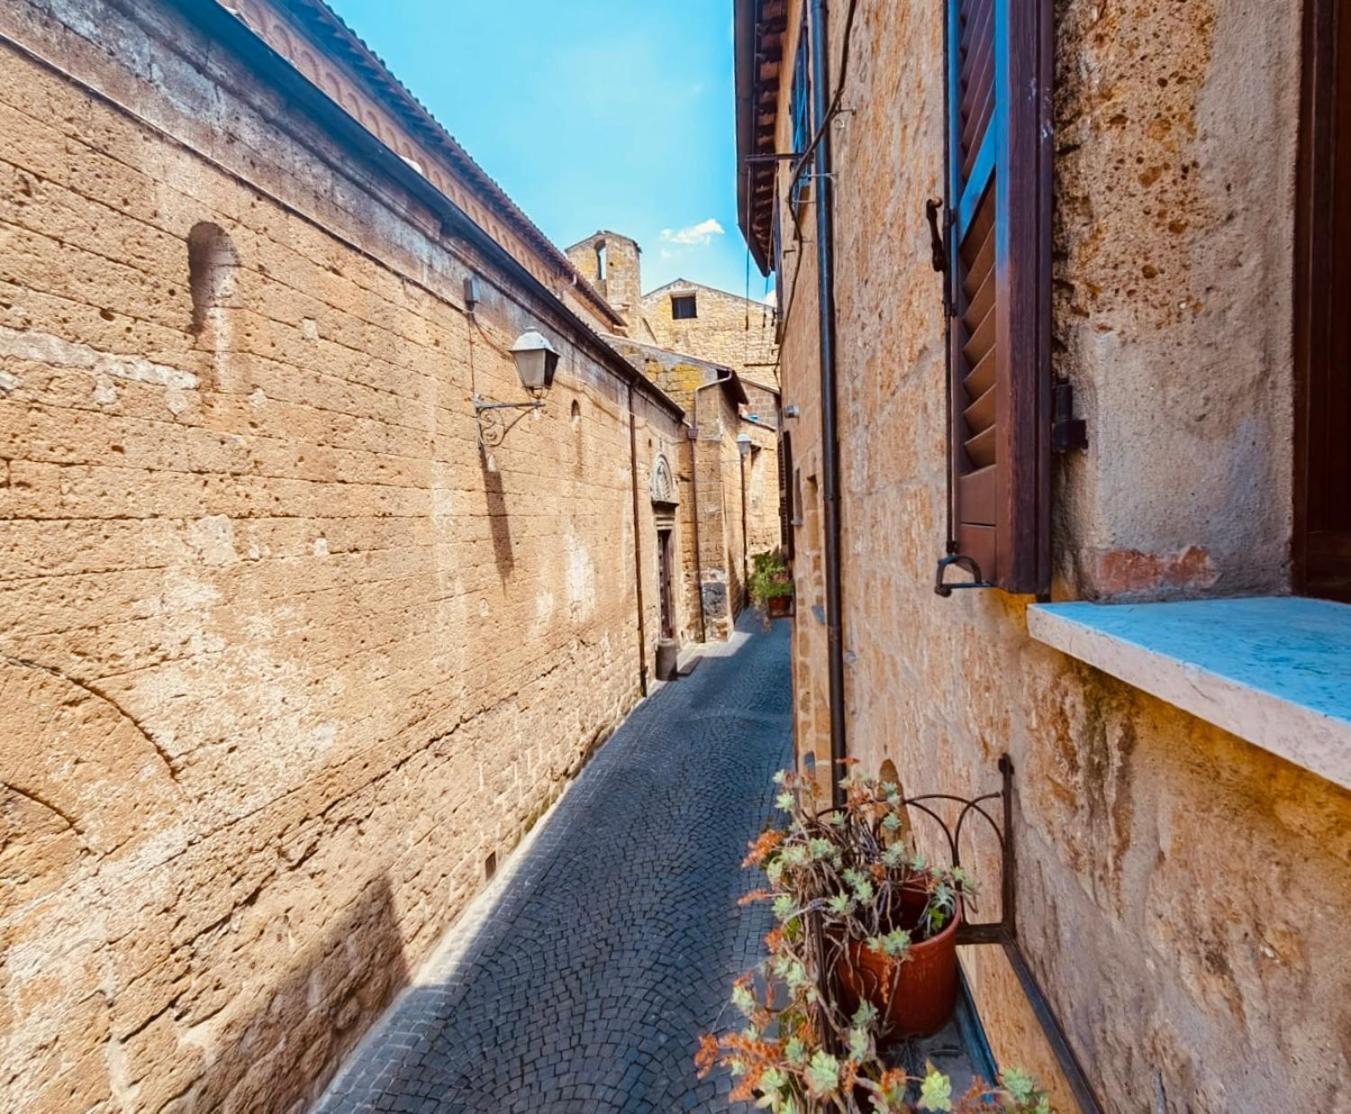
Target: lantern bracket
[(492, 428)]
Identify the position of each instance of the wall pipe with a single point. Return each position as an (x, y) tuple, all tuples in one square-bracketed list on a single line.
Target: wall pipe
[(637, 544), (830, 445)]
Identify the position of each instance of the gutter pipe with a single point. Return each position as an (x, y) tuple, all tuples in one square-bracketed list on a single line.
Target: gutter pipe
[(830, 445), (637, 544)]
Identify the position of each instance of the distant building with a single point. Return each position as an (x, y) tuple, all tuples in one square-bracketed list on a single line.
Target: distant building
[(684, 337)]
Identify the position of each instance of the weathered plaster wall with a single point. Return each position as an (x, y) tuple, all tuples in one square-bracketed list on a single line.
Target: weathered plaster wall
[(1184, 896), (285, 663), (1176, 134), (729, 330)]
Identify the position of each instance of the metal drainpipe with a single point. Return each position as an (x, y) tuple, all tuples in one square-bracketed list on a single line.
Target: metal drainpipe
[(830, 446), (694, 499), (637, 544)]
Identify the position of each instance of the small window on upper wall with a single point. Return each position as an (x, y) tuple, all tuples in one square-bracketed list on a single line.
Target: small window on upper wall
[(684, 307)]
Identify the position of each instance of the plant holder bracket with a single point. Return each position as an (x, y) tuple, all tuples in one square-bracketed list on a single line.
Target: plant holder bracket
[(1004, 932)]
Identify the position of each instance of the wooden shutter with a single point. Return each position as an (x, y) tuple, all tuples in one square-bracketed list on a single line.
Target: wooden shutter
[(786, 511), (999, 163), (1322, 535)]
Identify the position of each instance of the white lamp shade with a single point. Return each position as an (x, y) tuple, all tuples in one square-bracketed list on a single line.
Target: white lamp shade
[(536, 361)]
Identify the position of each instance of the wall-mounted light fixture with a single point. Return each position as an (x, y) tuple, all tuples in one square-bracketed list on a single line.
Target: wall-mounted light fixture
[(536, 361), (743, 444)]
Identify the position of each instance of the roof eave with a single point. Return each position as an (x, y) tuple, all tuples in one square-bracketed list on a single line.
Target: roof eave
[(747, 27)]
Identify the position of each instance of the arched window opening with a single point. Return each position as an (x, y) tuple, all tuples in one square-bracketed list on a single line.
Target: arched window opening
[(602, 261), (212, 267)]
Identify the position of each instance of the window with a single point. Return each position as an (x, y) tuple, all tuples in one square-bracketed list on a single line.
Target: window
[(212, 271), (684, 307), (787, 508), (999, 269), (800, 111), (1322, 535), (601, 261)]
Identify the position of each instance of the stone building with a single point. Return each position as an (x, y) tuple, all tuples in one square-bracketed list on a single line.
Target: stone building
[(730, 464), (1100, 393), (297, 640)]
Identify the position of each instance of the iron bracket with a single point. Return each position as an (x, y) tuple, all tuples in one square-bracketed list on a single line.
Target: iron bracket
[(945, 588), (1004, 932), (491, 428), (1067, 431)]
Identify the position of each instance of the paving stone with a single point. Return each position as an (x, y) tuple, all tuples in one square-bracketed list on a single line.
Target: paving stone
[(614, 942)]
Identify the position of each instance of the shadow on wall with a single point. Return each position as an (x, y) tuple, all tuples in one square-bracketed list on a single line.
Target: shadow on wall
[(281, 1056), (499, 524)]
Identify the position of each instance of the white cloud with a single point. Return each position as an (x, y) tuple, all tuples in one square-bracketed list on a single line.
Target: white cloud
[(696, 234)]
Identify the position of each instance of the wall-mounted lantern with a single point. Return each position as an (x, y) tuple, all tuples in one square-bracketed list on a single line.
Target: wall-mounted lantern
[(743, 444), (536, 362)]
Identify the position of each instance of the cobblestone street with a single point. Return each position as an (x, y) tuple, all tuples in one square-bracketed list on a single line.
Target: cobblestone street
[(608, 943)]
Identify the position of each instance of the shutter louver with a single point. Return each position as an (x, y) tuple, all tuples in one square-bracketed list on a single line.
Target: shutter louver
[(999, 57)]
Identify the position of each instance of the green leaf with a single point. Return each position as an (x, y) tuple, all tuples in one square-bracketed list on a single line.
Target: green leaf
[(823, 1074), (794, 1052), (820, 848), (785, 802), (1019, 1085), (783, 906), (935, 1093), (743, 999), (858, 1044), (865, 1015)]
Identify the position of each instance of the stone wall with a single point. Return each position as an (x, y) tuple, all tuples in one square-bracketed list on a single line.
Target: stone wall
[(621, 284), (728, 330), (288, 664), (1183, 895)]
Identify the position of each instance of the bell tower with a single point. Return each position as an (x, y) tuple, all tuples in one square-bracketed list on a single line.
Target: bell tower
[(612, 264)]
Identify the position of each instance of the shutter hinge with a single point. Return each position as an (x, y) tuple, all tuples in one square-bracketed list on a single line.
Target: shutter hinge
[(1067, 431), (938, 247)]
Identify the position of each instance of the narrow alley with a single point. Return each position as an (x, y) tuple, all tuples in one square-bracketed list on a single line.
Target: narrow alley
[(581, 979)]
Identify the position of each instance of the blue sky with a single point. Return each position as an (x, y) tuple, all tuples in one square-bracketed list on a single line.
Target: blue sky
[(592, 114)]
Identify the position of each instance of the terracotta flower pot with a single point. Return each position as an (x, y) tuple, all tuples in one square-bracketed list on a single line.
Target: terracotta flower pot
[(778, 607), (915, 994)]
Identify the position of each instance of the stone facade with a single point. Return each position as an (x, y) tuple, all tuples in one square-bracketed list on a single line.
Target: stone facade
[(1183, 894), (727, 329), (288, 662), (729, 342), (735, 500)]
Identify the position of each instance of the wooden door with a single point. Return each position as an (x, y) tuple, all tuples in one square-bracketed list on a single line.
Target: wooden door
[(665, 586), (1322, 541)]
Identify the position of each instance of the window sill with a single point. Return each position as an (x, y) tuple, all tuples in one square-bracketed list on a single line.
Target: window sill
[(1275, 671)]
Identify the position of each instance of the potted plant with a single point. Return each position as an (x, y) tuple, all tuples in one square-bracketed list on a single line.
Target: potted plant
[(771, 585), (863, 952)]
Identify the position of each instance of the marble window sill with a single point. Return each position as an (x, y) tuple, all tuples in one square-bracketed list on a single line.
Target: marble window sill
[(1275, 671)]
